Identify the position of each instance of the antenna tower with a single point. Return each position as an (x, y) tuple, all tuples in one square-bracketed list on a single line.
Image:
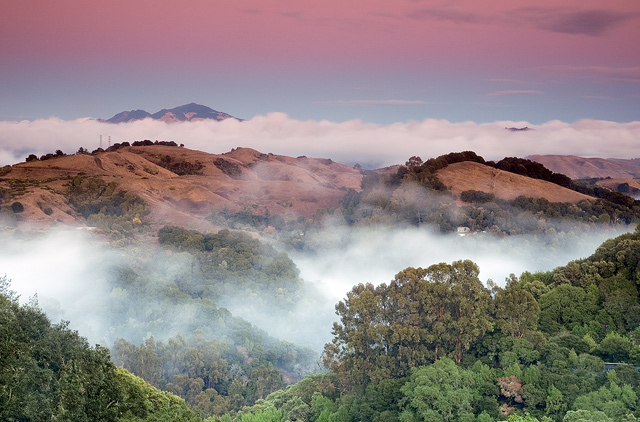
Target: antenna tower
[(109, 141), (100, 141)]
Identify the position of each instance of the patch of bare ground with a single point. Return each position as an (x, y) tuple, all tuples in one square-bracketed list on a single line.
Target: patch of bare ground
[(460, 177)]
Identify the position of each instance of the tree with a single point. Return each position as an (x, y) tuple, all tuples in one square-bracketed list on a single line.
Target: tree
[(556, 404), (586, 416), (423, 314), (566, 307), (439, 392), (470, 302), (357, 342), (516, 309)]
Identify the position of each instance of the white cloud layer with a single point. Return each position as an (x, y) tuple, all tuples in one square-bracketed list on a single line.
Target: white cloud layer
[(348, 142)]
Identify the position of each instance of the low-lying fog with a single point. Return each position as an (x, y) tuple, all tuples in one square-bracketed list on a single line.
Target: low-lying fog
[(371, 145), (69, 271)]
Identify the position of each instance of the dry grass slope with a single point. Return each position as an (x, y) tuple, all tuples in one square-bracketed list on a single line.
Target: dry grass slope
[(459, 177)]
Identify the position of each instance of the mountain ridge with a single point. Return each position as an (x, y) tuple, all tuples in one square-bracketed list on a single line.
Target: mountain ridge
[(188, 112)]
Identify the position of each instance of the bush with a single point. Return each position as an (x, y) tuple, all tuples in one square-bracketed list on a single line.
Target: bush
[(17, 207)]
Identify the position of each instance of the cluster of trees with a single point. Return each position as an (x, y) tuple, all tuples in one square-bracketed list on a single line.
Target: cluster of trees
[(215, 360), (436, 345), (116, 146), (531, 169), (229, 265), (587, 186), (57, 154), (229, 168), (211, 376), (106, 207), (48, 372), (181, 168)]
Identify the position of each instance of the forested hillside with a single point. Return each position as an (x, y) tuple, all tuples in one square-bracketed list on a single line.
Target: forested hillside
[(50, 373), (433, 344), (436, 345)]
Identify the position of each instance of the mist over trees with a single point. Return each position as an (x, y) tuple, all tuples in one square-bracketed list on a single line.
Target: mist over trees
[(187, 316), (48, 372), (436, 345), (431, 344)]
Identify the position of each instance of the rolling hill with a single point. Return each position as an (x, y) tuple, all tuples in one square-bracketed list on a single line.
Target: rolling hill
[(579, 167), (468, 175), (240, 179), (184, 186)]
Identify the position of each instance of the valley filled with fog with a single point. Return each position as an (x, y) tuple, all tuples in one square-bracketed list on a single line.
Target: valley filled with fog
[(72, 272)]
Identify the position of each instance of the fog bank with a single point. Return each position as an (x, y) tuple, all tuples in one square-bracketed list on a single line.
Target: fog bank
[(365, 255), (71, 272), (371, 145)]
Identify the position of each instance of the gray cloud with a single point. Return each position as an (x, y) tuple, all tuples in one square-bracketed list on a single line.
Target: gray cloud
[(591, 22), (594, 22)]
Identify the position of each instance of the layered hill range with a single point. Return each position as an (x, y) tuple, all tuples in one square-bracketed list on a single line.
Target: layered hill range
[(186, 113), (183, 186), (612, 171)]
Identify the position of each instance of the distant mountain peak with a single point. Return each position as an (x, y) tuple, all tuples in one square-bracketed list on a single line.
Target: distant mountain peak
[(185, 113)]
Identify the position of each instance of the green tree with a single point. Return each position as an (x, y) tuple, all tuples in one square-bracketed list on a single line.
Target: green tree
[(556, 405), (516, 309), (470, 302), (586, 416), (439, 392)]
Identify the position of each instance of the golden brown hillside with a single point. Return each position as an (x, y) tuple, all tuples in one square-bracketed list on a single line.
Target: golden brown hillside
[(240, 179), (459, 177), (581, 167), (183, 186)]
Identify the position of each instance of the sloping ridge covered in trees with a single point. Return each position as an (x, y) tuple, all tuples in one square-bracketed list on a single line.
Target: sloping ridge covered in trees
[(48, 372), (436, 345)]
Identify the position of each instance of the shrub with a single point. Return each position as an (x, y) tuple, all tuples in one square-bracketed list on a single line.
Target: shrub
[(17, 207)]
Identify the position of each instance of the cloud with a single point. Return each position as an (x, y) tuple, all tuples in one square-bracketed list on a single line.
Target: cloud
[(513, 92), (591, 22), (348, 142), (68, 271), (374, 102), (604, 73), (594, 22), (598, 97), (456, 16)]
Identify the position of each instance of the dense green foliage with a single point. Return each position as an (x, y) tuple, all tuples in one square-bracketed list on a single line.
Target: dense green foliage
[(211, 376), (50, 373), (534, 350), (106, 207), (216, 361), (231, 265)]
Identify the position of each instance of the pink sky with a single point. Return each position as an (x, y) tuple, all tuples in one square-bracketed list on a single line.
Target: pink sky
[(375, 60)]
